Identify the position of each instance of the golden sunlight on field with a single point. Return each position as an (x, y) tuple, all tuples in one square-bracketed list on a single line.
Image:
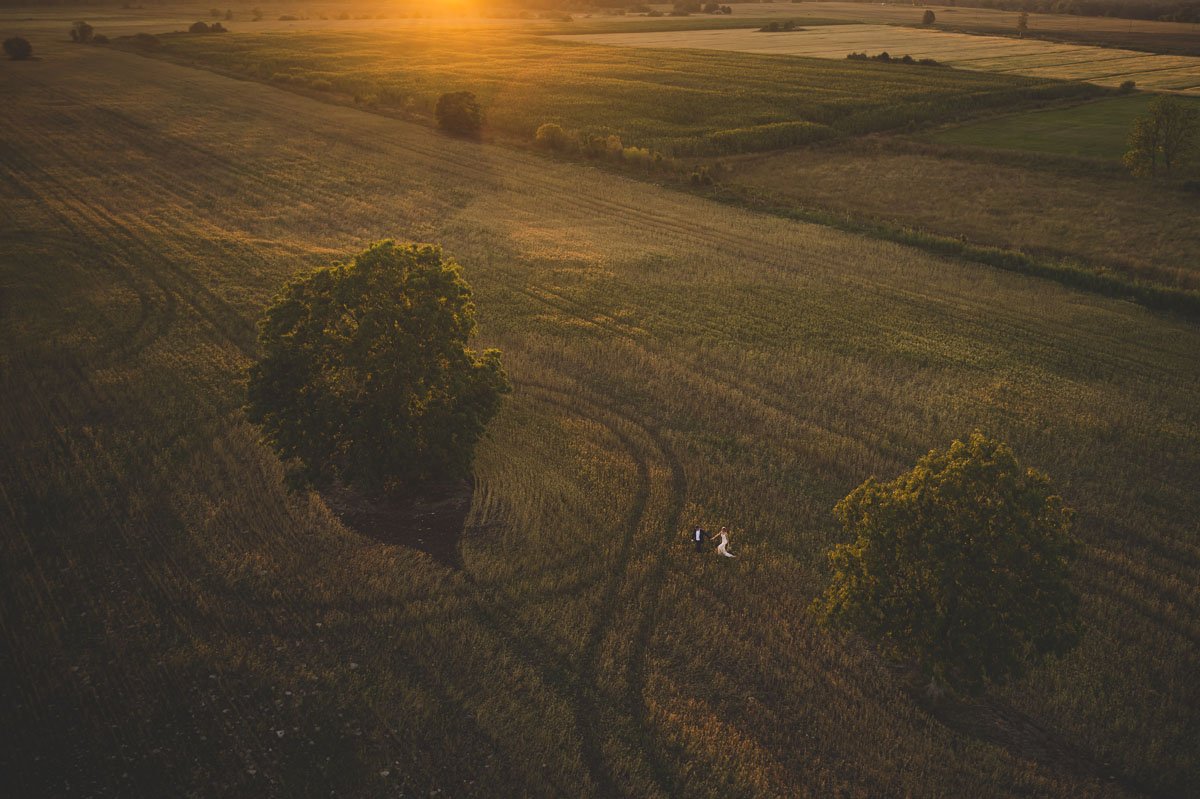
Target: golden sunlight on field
[(1103, 66)]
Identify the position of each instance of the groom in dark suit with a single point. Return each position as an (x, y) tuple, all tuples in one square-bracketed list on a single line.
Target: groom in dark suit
[(698, 536)]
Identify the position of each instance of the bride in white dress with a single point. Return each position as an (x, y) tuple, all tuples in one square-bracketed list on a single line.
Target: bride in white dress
[(723, 543)]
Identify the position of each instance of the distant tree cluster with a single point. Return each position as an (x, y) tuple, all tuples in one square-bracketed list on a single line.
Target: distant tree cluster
[(887, 58), (779, 27), (18, 48), (203, 27), (552, 136)]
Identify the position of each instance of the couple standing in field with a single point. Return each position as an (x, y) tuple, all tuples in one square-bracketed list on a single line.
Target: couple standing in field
[(699, 534)]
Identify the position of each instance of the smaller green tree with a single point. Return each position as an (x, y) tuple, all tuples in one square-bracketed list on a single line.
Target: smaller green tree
[(18, 48), (1162, 138), (928, 18), (365, 376), (959, 566), (1023, 23), (551, 136), (81, 32), (459, 112)]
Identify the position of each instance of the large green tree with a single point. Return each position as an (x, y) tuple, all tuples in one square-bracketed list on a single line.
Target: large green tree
[(959, 566), (1163, 137), (365, 376)]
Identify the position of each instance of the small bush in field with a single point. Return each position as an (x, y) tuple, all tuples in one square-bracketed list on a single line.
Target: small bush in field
[(18, 48), (928, 18), (82, 33), (459, 112), (198, 27), (1127, 86), (551, 136)]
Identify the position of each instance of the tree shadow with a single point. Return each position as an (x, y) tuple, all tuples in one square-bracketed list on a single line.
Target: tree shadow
[(996, 722), (432, 521)]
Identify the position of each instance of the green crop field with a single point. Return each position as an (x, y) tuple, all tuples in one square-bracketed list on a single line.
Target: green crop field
[(682, 103), (1095, 130), (175, 622)]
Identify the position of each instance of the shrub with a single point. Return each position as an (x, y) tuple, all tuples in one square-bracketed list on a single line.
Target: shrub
[(928, 18), (217, 27), (552, 137), (146, 41), (639, 156), (1127, 86), (82, 33), (613, 147), (701, 176), (18, 48), (365, 376), (459, 112), (198, 27)]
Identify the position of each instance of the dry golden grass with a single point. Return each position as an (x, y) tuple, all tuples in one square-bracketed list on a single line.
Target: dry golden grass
[(1102, 66), (178, 623)]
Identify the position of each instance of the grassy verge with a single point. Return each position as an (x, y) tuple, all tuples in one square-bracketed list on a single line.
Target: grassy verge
[(1068, 272), (1097, 130)]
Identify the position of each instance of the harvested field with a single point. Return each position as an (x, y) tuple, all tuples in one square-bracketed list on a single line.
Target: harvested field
[(178, 623), (1102, 66)]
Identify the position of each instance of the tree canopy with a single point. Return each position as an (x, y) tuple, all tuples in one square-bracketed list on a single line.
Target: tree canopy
[(1162, 137), (365, 376), (959, 565)]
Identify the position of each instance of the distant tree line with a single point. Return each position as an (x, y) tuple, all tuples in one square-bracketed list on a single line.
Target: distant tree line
[(1162, 10)]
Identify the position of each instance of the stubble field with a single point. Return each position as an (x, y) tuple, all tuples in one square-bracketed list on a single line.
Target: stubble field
[(1030, 57), (176, 618)]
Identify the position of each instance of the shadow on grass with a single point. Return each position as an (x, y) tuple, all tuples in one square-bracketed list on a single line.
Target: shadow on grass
[(432, 521), (994, 721)]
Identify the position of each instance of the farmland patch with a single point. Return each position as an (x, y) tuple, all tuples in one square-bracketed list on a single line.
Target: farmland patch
[(1034, 58)]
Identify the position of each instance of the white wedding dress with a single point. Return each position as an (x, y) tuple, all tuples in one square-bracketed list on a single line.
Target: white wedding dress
[(723, 544)]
